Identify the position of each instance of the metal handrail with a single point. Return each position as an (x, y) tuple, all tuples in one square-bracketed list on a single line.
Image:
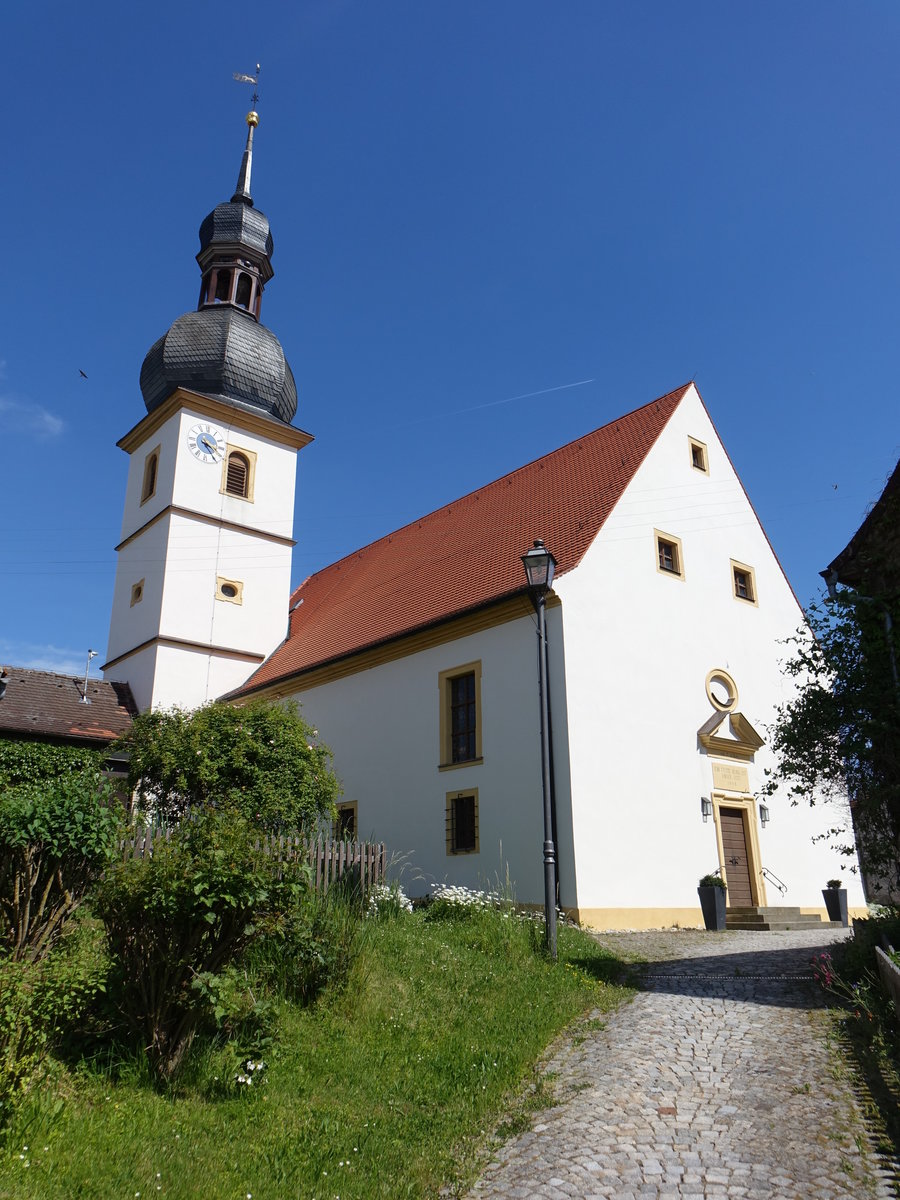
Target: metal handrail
[(767, 874)]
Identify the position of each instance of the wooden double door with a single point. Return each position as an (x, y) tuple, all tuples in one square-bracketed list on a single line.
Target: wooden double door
[(737, 857)]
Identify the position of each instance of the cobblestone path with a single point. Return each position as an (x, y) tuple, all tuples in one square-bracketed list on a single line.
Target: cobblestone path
[(717, 1081)]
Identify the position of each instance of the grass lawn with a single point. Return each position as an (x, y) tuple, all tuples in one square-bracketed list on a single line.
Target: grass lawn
[(391, 1087)]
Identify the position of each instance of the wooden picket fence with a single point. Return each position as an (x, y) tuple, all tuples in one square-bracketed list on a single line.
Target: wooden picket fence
[(363, 863)]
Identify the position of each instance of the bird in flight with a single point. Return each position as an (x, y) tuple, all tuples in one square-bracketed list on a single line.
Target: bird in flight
[(81, 373)]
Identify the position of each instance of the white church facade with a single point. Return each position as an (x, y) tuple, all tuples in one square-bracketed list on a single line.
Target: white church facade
[(416, 656)]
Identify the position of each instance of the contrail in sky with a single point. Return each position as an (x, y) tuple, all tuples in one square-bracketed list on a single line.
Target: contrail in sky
[(509, 400)]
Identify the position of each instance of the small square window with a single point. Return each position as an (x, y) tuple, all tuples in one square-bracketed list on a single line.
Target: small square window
[(345, 825), (137, 592), (669, 560), (462, 822), (743, 580), (699, 460)]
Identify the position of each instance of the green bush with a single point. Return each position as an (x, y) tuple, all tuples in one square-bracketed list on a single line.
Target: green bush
[(261, 761), (55, 839), (25, 761), (40, 1003), (181, 915), (712, 881), (312, 943)]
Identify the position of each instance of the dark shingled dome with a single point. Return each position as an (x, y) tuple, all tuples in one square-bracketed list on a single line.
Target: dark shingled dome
[(229, 224), (221, 352)]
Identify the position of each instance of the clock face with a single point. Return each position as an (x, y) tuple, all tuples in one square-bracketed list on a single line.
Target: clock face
[(206, 443)]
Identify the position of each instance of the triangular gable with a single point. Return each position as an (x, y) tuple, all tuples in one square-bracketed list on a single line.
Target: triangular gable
[(741, 740), (466, 555)]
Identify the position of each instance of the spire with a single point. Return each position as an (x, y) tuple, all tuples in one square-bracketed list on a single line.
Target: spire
[(242, 192)]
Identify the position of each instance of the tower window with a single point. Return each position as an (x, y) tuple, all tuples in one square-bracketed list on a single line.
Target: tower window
[(229, 589), (243, 291), (137, 593), (237, 475), (223, 287), (151, 468)]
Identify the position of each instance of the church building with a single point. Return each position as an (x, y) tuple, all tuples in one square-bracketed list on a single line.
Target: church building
[(416, 659)]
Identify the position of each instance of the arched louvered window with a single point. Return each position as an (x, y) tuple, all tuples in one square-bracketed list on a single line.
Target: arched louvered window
[(237, 475)]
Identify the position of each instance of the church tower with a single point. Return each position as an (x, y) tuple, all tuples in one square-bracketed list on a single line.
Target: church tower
[(204, 560)]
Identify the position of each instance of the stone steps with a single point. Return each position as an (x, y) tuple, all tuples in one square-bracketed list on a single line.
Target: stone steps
[(766, 919)]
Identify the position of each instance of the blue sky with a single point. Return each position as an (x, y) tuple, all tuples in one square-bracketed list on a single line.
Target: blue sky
[(470, 202)]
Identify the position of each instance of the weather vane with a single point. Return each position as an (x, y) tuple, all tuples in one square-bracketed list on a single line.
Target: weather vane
[(254, 79)]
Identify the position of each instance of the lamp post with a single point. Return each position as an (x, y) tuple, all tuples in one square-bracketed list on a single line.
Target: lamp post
[(539, 565)]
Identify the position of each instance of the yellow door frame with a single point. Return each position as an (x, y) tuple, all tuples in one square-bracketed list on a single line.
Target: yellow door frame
[(747, 805)]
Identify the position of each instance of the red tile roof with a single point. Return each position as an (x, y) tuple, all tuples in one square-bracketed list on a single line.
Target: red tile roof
[(468, 553), (42, 704)]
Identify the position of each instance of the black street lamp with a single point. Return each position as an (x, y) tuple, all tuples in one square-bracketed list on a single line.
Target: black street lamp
[(539, 566)]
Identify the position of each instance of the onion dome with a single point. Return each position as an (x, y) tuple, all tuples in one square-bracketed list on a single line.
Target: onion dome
[(222, 349)]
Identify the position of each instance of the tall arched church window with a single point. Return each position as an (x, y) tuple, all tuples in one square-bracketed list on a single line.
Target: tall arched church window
[(237, 475)]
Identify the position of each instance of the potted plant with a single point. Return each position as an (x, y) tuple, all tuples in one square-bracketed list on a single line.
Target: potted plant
[(835, 898), (711, 891)]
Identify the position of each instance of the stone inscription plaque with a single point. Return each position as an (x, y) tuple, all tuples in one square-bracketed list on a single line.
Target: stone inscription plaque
[(730, 778)]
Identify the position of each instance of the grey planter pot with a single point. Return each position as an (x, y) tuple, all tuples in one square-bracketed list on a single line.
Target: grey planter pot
[(712, 901), (836, 904)]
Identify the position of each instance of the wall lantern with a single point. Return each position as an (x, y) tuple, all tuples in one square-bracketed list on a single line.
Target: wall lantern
[(764, 815), (705, 808)]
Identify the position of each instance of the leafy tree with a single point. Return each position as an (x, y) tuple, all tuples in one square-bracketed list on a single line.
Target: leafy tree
[(55, 839), (839, 737), (261, 761)]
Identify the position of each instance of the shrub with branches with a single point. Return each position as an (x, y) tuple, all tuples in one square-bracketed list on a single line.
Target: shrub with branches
[(178, 917), (55, 839)]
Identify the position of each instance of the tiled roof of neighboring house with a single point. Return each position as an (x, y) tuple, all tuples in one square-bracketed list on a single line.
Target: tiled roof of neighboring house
[(468, 553), (873, 553), (43, 704)]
